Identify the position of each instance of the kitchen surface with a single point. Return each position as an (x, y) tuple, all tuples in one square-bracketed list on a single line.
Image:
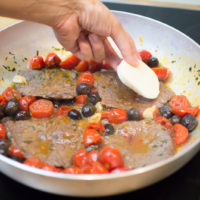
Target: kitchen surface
[(184, 184)]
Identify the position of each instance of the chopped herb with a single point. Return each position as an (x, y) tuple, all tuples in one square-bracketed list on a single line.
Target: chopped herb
[(25, 58), (198, 83), (173, 61), (103, 86), (9, 68), (6, 58), (28, 141), (160, 154), (164, 141), (154, 146), (190, 69), (195, 66), (37, 53), (74, 126), (196, 78), (51, 147), (15, 62), (11, 53)]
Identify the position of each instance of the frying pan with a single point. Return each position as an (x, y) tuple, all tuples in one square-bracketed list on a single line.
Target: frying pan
[(174, 49)]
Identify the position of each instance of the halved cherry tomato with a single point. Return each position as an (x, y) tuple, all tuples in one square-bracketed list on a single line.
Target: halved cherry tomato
[(70, 62), (105, 65), (114, 116), (164, 122), (3, 134), (82, 66), (16, 151), (182, 111), (10, 93), (97, 126), (145, 55), (91, 136), (24, 102), (86, 77), (179, 100), (52, 60), (97, 168), (81, 99), (94, 66), (36, 62), (72, 170), (41, 108), (80, 158), (119, 170), (92, 156), (111, 158), (63, 110), (162, 73), (181, 133), (2, 101), (48, 167), (33, 162)]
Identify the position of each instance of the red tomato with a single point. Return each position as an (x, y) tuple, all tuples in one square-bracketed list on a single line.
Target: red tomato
[(114, 116), (97, 126), (80, 158), (63, 110), (164, 122), (82, 66), (41, 108), (179, 100), (145, 55), (105, 65), (36, 62), (94, 66), (97, 168), (111, 157), (2, 101), (10, 93), (181, 133), (48, 167), (91, 136), (182, 111), (81, 99), (3, 134), (86, 77), (72, 170), (162, 73), (15, 151), (70, 62), (24, 102), (33, 162), (52, 60), (92, 156), (119, 170)]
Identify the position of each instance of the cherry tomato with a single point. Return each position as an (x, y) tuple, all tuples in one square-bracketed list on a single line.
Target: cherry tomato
[(16, 151), (179, 100), (10, 93), (86, 77), (181, 133), (82, 66), (63, 110), (94, 66), (91, 136), (70, 62), (24, 102), (164, 122), (145, 55), (114, 116), (36, 62), (41, 108), (3, 134), (111, 158), (97, 126), (48, 167), (81, 99), (119, 170), (52, 60), (92, 156), (80, 158), (33, 162), (72, 170), (97, 168), (182, 111), (2, 101), (105, 65), (162, 73)]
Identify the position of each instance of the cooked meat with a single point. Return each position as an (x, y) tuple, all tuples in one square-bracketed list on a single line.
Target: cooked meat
[(48, 83), (54, 140), (141, 143), (115, 94)]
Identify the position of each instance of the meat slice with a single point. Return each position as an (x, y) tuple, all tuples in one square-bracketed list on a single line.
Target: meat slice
[(48, 83), (54, 140), (116, 95), (141, 143)]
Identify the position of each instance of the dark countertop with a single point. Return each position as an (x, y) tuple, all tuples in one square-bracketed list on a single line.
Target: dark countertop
[(184, 184)]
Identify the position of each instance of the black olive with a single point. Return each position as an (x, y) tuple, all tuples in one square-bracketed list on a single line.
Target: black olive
[(2, 114), (88, 110), (92, 148), (18, 159), (94, 98), (74, 114), (12, 107), (175, 119), (153, 62), (134, 114), (109, 129), (83, 88), (189, 121), (4, 147), (165, 111), (22, 115), (63, 102)]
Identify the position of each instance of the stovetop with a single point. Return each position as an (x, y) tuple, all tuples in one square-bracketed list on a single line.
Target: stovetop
[(184, 184)]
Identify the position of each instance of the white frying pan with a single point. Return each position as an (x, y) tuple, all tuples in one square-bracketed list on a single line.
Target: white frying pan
[(174, 50)]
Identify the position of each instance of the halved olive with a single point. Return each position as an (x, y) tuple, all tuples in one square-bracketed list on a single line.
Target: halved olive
[(92, 147), (94, 98), (175, 119), (74, 114), (153, 62), (2, 114), (88, 110), (109, 129), (18, 159), (134, 114), (4, 147), (189, 121), (12, 107), (165, 111), (83, 88), (22, 115)]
